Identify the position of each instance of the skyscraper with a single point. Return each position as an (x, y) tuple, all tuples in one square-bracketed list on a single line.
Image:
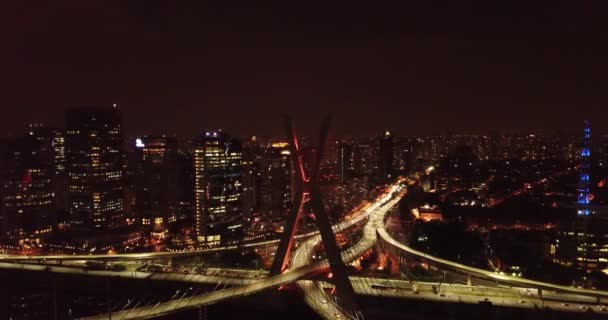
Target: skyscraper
[(218, 188), (252, 155), (364, 157), (345, 162), (95, 166), (51, 143), (584, 176), (276, 180), (28, 190), (385, 156), (584, 242), (156, 179), (406, 156)]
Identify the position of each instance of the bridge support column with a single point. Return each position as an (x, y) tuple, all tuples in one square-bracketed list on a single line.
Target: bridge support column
[(469, 280), (108, 300), (308, 188)]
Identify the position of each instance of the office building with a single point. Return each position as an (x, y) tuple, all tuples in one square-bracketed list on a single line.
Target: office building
[(156, 186), (218, 175), (385, 156), (94, 156), (584, 242), (276, 180), (28, 192), (345, 162)]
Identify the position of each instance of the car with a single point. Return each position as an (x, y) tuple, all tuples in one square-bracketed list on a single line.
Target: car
[(522, 301), (323, 301), (565, 304), (442, 295)]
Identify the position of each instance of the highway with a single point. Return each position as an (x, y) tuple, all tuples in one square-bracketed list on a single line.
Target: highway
[(290, 276), (146, 255), (154, 255), (157, 276), (314, 295), (521, 293), (574, 300), (457, 293), (166, 308), (563, 293)]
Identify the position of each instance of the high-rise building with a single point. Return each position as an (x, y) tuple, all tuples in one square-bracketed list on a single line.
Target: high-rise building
[(51, 142), (156, 180), (584, 242), (185, 182), (28, 187), (404, 155), (218, 188), (276, 180), (345, 162), (385, 156), (363, 159), (584, 177), (94, 155), (252, 154)]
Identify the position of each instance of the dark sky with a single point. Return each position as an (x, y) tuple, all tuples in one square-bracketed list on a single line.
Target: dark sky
[(414, 69)]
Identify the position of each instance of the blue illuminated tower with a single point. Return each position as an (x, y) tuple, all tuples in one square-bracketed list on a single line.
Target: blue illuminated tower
[(583, 184)]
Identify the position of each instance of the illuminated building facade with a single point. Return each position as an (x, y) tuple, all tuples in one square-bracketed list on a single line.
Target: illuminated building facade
[(51, 141), (584, 195), (385, 156), (584, 243), (345, 162), (218, 188), (156, 180), (252, 155), (95, 167), (363, 159), (276, 180), (404, 155), (28, 195)]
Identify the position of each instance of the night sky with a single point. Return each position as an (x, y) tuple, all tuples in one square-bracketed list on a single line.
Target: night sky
[(412, 69)]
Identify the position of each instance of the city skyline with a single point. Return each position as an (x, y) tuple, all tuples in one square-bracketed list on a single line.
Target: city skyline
[(163, 160), (414, 69), (273, 133)]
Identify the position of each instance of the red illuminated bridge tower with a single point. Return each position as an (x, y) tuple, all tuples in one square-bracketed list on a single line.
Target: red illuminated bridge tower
[(308, 188)]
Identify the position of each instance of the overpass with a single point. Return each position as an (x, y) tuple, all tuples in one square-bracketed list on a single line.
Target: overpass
[(511, 297), (298, 271), (151, 276), (147, 255), (517, 294), (314, 295), (387, 242)]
